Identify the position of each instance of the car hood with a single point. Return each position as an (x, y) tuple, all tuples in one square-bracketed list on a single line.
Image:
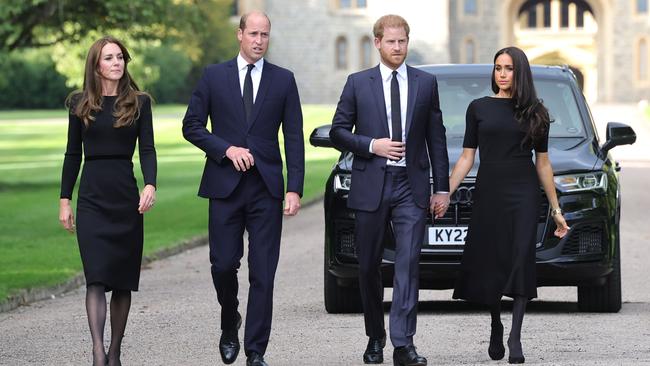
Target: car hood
[(567, 155)]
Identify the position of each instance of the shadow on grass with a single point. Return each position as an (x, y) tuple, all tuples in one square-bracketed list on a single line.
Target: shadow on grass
[(27, 186)]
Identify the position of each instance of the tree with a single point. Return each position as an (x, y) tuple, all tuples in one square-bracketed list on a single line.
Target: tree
[(32, 81), (163, 36), (37, 23)]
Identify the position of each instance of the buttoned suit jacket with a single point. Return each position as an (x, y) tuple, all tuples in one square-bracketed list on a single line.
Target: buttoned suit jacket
[(277, 104), (361, 116)]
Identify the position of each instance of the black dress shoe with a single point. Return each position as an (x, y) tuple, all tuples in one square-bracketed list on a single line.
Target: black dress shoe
[(229, 343), (255, 359), (406, 356), (375, 350)]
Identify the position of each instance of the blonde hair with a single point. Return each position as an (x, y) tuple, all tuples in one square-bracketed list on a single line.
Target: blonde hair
[(389, 21)]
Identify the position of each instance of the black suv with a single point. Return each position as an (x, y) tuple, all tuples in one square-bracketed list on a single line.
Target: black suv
[(586, 180)]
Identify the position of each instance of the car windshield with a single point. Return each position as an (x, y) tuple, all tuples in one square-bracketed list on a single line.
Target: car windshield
[(457, 93)]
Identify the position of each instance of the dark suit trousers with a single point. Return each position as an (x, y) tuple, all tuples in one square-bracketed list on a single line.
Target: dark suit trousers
[(408, 222), (252, 208)]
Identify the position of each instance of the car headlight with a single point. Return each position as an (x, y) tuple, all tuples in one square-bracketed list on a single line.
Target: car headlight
[(581, 182), (342, 182)]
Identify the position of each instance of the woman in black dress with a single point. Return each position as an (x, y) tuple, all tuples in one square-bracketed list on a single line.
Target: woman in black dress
[(499, 256), (106, 119)]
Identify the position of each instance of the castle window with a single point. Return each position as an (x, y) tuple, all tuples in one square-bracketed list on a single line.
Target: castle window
[(352, 4), (641, 6), (540, 14), (642, 60), (470, 7), (366, 52), (469, 52), (341, 53)]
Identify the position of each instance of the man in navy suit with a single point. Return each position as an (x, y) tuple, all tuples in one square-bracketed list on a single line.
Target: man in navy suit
[(398, 139), (247, 100)]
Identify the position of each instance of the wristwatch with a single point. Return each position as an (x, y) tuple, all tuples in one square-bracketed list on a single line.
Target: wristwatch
[(556, 211)]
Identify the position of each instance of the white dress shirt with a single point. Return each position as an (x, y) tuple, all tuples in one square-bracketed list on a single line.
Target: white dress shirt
[(402, 80), (256, 74)]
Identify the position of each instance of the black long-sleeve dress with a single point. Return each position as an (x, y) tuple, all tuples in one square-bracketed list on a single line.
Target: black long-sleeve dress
[(499, 255), (109, 226)]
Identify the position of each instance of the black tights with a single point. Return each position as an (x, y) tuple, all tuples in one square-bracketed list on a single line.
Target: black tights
[(514, 340), (96, 310)]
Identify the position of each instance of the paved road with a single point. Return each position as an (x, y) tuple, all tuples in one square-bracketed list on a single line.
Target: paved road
[(174, 318)]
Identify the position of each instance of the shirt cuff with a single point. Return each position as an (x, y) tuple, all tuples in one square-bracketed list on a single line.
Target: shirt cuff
[(370, 146), (442, 192)]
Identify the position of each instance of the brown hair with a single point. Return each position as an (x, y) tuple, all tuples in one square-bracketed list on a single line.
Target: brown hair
[(390, 21), (85, 103), (244, 18)]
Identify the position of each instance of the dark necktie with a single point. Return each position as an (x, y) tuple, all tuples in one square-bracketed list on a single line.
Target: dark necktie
[(248, 93), (395, 109)]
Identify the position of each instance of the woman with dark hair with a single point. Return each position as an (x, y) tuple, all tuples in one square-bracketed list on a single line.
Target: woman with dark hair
[(106, 119), (499, 256)]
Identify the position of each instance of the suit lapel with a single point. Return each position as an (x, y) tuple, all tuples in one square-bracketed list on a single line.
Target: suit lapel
[(412, 97), (377, 87), (235, 90), (265, 83)]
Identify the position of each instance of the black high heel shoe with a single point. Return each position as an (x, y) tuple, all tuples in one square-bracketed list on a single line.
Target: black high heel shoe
[(516, 354), (496, 350)]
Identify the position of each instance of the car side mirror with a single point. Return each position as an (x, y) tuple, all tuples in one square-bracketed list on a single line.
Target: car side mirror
[(618, 134), (320, 137)]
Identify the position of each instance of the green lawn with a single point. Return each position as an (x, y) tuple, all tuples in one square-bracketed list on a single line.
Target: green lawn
[(35, 251)]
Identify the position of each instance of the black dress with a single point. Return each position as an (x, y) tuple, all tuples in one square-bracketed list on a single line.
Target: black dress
[(499, 255), (109, 226)]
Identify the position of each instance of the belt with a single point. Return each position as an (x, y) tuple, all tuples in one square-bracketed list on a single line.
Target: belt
[(107, 157), (395, 169)]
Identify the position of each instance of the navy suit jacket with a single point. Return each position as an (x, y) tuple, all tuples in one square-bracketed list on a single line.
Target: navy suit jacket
[(362, 108), (218, 95)]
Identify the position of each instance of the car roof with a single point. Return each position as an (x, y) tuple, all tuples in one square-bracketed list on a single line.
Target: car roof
[(482, 70)]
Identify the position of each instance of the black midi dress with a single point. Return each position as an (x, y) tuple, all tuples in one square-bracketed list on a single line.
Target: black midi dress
[(109, 226), (499, 255)]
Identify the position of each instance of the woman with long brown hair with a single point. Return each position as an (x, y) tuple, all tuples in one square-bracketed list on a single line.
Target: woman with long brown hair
[(106, 119), (499, 255)]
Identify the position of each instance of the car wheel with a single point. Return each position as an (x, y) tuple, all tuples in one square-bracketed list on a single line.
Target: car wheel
[(605, 298), (340, 299)]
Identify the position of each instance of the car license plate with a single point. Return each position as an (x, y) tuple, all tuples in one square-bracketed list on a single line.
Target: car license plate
[(447, 235)]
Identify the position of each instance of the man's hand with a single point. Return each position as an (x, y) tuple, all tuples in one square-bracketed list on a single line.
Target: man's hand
[(393, 150), (438, 204), (291, 204), (241, 158)]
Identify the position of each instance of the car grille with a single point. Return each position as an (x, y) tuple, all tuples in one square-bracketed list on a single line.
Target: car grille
[(460, 208), (345, 237), (585, 239), (459, 213)]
